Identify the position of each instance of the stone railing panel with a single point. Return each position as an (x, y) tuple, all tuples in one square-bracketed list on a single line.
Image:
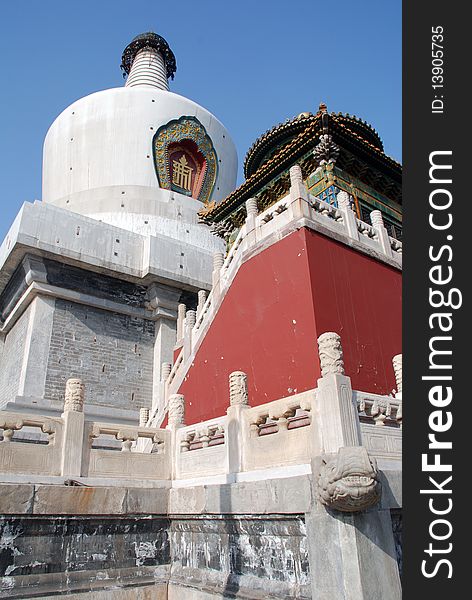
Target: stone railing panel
[(279, 433), (200, 450), (381, 411), (128, 464), (396, 246), (320, 208), (381, 421), (19, 457), (384, 444)]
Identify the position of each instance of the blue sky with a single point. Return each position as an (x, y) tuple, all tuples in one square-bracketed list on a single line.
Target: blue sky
[(251, 63)]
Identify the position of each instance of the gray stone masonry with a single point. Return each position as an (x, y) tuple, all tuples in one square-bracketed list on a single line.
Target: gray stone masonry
[(111, 353), (61, 321), (10, 359)]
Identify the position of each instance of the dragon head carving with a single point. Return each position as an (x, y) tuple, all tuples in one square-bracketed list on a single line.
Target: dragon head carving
[(348, 480)]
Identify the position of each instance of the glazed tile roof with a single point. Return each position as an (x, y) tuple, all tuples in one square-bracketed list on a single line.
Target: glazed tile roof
[(294, 138)]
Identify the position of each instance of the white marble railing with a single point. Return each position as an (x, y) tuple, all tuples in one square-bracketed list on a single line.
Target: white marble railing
[(74, 448), (282, 435)]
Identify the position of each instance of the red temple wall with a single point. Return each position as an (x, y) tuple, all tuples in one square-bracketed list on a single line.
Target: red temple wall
[(280, 301), (361, 299)]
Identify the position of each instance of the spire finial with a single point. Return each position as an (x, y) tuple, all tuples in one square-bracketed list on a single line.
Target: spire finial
[(148, 61)]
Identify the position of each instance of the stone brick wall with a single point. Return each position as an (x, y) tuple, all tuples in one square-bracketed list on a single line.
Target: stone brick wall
[(95, 284), (11, 359), (110, 352)]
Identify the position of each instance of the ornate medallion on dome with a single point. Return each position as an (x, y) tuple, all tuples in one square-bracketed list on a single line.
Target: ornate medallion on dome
[(185, 159)]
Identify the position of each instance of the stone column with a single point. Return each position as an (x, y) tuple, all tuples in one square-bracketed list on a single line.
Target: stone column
[(26, 344), (352, 556), (350, 219), (73, 431), (37, 338), (377, 222)]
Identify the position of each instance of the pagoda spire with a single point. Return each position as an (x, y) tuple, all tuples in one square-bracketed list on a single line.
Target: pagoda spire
[(148, 61)]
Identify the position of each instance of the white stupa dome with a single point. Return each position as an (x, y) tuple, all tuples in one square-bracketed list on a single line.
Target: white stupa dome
[(140, 157)]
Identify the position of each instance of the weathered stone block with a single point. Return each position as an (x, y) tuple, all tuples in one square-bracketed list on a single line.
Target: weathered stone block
[(16, 499), (74, 500)]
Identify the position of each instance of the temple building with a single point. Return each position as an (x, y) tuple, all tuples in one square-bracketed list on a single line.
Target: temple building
[(201, 384), (336, 152)]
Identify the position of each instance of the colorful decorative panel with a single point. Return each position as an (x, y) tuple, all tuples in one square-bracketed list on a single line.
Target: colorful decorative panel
[(185, 159)]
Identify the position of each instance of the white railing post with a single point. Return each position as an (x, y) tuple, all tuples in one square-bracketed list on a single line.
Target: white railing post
[(250, 224), (298, 189), (202, 297), (143, 416), (341, 440), (181, 310), (377, 222), (190, 320), (234, 434), (218, 261), (251, 214), (73, 432), (349, 216), (397, 362), (175, 420), (299, 200), (166, 368), (338, 419)]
